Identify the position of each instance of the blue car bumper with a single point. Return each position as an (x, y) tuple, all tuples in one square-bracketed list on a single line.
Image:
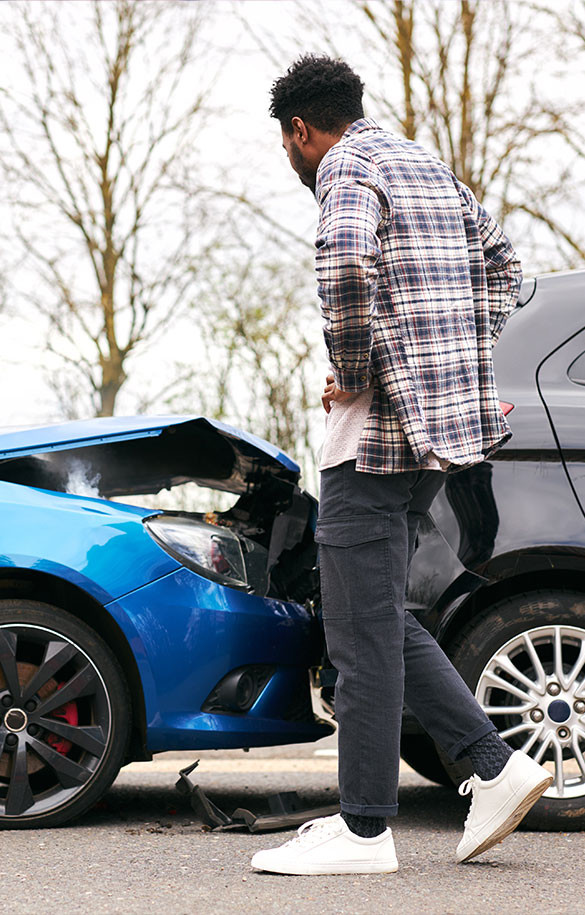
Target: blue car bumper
[(187, 633)]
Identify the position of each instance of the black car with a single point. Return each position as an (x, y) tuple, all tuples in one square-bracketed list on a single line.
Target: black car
[(499, 574)]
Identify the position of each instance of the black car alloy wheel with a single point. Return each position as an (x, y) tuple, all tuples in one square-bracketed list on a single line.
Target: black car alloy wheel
[(64, 715), (525, 660), (545, 712)]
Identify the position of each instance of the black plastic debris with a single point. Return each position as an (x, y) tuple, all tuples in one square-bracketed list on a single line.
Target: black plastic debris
[(285, 809)]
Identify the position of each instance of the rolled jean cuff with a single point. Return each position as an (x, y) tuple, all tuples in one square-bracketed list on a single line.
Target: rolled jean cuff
[(459, 748), (366, 810)]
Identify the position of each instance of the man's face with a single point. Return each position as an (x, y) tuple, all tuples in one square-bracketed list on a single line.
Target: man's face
[(299, 162)]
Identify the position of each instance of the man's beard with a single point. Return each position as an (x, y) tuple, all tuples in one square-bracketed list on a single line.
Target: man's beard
[(307, 176)]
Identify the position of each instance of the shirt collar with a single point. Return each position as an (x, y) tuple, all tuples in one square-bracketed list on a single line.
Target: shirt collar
[(360, 125)]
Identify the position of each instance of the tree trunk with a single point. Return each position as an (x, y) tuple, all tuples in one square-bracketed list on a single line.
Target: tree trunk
[(113, 377)]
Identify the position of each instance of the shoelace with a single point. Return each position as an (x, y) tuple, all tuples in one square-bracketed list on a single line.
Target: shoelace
[(465, 788), (315, 830)]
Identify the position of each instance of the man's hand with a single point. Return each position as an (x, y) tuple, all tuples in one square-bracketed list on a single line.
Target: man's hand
[(332, 392)]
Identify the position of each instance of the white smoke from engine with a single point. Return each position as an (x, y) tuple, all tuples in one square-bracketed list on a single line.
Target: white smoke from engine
[(79, 481)]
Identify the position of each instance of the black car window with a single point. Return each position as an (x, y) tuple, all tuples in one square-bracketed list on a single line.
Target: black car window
[(576, 371)]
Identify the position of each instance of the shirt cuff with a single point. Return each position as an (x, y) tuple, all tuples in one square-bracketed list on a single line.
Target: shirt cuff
[(352, 382)]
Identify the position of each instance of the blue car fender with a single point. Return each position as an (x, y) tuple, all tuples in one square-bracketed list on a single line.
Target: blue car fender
[(102, 547)]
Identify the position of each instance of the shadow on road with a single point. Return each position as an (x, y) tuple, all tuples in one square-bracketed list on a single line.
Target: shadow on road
[(421, 806)]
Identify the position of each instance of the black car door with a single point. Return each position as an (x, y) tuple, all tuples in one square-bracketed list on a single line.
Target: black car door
[(561, 385)]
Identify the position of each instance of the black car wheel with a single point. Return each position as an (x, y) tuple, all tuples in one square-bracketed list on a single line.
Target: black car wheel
[(420, 752), (64, 716), (525, 660)]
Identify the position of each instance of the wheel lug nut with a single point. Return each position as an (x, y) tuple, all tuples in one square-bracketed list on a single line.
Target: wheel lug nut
[(563, 733), (579, 706), (537, 715), (33, 729), (11, 740), (30, 705), (553, 689), (6, 701)]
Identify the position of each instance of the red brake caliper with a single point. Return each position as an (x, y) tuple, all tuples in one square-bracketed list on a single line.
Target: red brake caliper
[(70, 715)]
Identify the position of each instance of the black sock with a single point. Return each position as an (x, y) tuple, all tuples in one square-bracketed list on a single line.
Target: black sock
[(488, 755), (366, 827)]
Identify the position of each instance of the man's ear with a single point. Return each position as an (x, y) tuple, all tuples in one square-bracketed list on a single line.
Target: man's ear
[(300, 130)]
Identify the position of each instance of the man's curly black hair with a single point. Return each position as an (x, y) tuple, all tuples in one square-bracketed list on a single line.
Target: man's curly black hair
[(324, 92)]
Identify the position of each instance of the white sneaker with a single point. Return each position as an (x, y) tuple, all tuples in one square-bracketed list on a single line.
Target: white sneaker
[(327, 846), (498, 805)]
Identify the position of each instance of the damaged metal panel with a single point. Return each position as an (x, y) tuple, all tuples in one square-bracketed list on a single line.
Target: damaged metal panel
[(285, 809), (268, 533), (132, 455)]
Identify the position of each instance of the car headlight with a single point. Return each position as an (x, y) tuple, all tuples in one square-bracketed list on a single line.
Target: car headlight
[(212, 551)]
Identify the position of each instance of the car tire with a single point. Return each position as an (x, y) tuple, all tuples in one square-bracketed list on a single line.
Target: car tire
[(57, 758), (539, 636), (420, 752)]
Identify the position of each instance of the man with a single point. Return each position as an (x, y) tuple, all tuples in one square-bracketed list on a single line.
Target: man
[(416, 282)]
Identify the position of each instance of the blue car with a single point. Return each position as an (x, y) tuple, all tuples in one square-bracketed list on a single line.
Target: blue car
[(125, 630)]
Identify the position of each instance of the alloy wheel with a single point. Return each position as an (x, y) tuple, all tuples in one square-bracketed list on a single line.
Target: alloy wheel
[(55, 720), (533, 689)]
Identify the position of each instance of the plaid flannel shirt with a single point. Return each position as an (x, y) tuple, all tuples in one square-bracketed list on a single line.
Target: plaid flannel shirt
[(416, 282)]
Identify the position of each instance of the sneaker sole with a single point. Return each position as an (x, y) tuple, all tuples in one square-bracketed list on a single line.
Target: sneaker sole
[(332, 869), (512, 821)]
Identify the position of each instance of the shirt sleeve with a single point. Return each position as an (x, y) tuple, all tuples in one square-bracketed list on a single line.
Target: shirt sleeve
[(348, 250), (502, 265)]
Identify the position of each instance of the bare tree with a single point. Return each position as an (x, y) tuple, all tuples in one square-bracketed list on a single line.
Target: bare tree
[(261, 334), (557, 204), (460, 77), (481, 83), (102, 121)]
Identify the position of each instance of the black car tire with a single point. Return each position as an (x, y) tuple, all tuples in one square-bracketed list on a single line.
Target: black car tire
[(61, 773), (420, 752), (528, 616)]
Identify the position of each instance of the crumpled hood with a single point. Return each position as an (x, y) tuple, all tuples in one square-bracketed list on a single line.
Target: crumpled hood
[(142, 454)]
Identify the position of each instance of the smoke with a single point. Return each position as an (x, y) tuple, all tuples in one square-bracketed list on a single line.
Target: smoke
[(80, 482)]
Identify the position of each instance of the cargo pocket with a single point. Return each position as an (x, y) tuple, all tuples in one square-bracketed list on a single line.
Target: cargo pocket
[(355, 562)]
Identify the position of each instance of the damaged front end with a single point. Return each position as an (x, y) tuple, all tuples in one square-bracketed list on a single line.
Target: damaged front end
[(262, 545), (217, 606)]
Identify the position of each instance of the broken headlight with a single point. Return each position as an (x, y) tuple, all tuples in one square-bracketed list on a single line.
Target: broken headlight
[(214, 552), (211, 550)]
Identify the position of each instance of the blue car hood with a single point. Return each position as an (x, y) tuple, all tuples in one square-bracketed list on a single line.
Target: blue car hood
[(142, 454)]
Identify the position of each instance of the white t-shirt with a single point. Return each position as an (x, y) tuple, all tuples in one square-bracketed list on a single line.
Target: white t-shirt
[(344, 425)]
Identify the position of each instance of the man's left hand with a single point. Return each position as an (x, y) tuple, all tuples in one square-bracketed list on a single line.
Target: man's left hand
[(333, 393)]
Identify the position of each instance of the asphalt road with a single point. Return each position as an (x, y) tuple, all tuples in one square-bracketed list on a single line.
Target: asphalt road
[(142, 851)]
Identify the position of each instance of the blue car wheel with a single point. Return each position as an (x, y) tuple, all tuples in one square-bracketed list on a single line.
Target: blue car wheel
[(64, 716)]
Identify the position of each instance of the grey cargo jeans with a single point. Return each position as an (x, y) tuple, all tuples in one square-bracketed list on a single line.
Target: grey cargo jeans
[(367, 533)]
